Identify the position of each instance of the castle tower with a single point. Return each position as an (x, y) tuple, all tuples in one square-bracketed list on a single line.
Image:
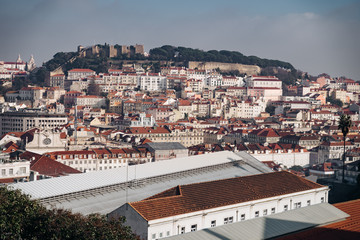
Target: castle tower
[(112, 51), (139, 49)]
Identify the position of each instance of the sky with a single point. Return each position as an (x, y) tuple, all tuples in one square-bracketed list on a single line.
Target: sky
[(317, 37)]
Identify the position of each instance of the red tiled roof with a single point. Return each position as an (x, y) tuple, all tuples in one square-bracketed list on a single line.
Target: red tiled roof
[(30, 156), (49, 167), (81, 70), (147, 130), (347, 229), (206, 195), (10, 147)]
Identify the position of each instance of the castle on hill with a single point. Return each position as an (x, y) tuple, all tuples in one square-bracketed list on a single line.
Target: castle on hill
[(110, 51)]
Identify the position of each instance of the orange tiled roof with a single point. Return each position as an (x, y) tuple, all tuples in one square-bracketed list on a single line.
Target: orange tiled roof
[(206, 195), (49, 167), (81, 70)]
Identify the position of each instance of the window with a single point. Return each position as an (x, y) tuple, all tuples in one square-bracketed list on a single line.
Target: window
[(273, 210), (257, 214), (297, 205), (322, 199), (231, 219), (194, 227), (168, 233), (153, 236), (242, 217), (11, 171), (182, 230), (23, 169), (285, 207), (265, 212), (213, 223), (3, 172), (160, 235), (226, 220), (308, 202)]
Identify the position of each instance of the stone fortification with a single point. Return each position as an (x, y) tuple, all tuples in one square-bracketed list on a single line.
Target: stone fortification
[(226, 67)]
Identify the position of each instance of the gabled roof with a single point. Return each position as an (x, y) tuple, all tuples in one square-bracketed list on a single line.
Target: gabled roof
[(81, 70), (147, 130), (10, 147), (206, 195), (49, 167)]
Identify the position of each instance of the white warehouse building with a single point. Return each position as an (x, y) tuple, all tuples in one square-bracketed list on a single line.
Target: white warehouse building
[(188, 208)]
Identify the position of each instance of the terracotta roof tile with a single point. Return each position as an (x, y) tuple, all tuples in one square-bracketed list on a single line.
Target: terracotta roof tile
[(200, 196), (49, 167)]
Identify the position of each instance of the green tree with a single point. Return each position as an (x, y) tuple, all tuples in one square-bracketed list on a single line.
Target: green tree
[(22, 218), (344, 126), (334, 101), (93, 89), (270, 110)]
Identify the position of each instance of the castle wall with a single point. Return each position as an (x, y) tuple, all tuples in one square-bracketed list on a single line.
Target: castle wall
[(242, 68)]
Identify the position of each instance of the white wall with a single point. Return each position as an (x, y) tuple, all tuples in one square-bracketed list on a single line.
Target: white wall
[(287, 159), (203, 219)]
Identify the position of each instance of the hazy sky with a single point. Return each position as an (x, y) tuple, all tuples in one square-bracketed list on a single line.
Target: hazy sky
[(316, 36)]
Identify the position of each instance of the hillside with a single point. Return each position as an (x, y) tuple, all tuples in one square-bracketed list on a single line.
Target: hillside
[(183, 54), (170, 55)]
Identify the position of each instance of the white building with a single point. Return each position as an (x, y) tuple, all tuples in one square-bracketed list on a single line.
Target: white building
[(246, 109), (152, 82), (286, 157), (11, 170), (230, 81), (196, 74), (78, 73), (23, 121), (101, 158), (263, 81), (189, 208), (141, 120), (91, 100)]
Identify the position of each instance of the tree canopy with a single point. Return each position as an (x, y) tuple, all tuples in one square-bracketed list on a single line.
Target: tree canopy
[(22, 218), (334, 101), (344, 124), (184, 54)]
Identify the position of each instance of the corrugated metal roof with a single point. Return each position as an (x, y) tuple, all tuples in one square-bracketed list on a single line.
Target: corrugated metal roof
[(270, 226), (106, 202), (82, 182)]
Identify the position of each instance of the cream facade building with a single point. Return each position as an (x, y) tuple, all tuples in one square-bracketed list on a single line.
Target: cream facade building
[(23, 121)]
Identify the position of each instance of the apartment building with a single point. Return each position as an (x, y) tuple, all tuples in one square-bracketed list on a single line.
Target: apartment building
[(13, 169), (78, 73), (152, 82), (23, 121), (101, 158)]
